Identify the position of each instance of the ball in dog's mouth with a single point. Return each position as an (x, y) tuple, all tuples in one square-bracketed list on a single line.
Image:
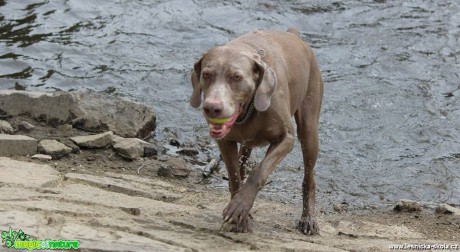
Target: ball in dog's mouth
[(220, 127)]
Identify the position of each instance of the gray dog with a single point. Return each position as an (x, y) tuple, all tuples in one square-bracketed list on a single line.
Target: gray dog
[(252, 86)]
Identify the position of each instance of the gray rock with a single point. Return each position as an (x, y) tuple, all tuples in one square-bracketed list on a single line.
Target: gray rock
[(25, 126), (88, 111), (447, 209), (53, 148), (42, 157), (26, 173), (5, 127), (94, 141), (54, 108), (124, 118), (129, 148), (17, 145)]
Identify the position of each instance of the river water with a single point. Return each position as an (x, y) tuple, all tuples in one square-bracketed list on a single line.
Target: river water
[(390, 124)]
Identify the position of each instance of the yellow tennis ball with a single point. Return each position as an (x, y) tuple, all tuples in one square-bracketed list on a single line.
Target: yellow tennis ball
[(218, 120)]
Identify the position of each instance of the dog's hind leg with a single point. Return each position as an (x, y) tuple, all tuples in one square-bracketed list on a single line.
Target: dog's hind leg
[(307, 118)]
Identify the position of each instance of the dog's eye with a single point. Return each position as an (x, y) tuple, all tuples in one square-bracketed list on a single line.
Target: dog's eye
[(237, 77), (206, 75)]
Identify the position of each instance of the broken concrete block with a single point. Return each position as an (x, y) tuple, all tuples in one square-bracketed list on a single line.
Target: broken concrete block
[(125, 118), (53, 108), (53, 148), (89, 111), (94, 141), (17, 145)]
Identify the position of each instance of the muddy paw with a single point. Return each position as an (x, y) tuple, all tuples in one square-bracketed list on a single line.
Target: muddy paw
[(308, 225), (237, 210)]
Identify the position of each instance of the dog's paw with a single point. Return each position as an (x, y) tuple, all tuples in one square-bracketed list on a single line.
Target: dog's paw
[(242, 227), (237, 210), (308, 225)]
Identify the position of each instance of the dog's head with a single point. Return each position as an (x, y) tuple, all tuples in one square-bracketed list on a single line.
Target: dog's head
[(229, 80)]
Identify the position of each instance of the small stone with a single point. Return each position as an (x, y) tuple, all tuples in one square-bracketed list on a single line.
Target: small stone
[(447, 209), (53, 148), (164, 171), (65, 129), (131, 210), (178, 167), (188, 152), (42, 157), (407, 206), (150, 151), (5, 127), (174, 142), (94, 141), (129, 148), (25, 126), (341, 207)]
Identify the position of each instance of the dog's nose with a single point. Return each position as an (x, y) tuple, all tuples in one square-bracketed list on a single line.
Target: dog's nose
[(213, 108)]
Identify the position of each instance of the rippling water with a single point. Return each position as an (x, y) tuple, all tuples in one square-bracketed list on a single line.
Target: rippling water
[(390, 125)]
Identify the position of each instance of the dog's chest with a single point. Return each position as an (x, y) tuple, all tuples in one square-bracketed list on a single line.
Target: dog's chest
[(251, 137)]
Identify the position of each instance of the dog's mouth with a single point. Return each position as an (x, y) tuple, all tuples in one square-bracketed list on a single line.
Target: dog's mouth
[(220, 127)]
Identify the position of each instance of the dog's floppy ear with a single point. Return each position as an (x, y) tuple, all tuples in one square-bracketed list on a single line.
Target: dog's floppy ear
[(195, 98), (266, 85)]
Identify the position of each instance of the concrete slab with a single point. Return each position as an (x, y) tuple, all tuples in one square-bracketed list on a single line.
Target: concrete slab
[(26, 173), (124, 187)]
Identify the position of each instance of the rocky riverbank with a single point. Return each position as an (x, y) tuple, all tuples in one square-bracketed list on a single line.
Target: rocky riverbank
[(83, 166)]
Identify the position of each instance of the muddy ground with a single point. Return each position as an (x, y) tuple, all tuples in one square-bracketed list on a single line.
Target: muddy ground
[(110, 204)]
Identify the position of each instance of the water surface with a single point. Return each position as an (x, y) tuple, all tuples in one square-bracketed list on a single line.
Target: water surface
[(390, 124)]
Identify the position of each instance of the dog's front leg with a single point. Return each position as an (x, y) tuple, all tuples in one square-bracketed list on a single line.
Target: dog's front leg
[(238, 208), (230, 155), (229, 152)]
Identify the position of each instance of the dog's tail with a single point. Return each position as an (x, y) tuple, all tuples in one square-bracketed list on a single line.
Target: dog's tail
[(294, 31)]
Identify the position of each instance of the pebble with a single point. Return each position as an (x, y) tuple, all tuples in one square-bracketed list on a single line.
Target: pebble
[(25, 126), (407, 206), (188, 152)]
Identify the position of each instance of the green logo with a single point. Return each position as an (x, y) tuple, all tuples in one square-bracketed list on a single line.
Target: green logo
[(11, 236), (20, 240)]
